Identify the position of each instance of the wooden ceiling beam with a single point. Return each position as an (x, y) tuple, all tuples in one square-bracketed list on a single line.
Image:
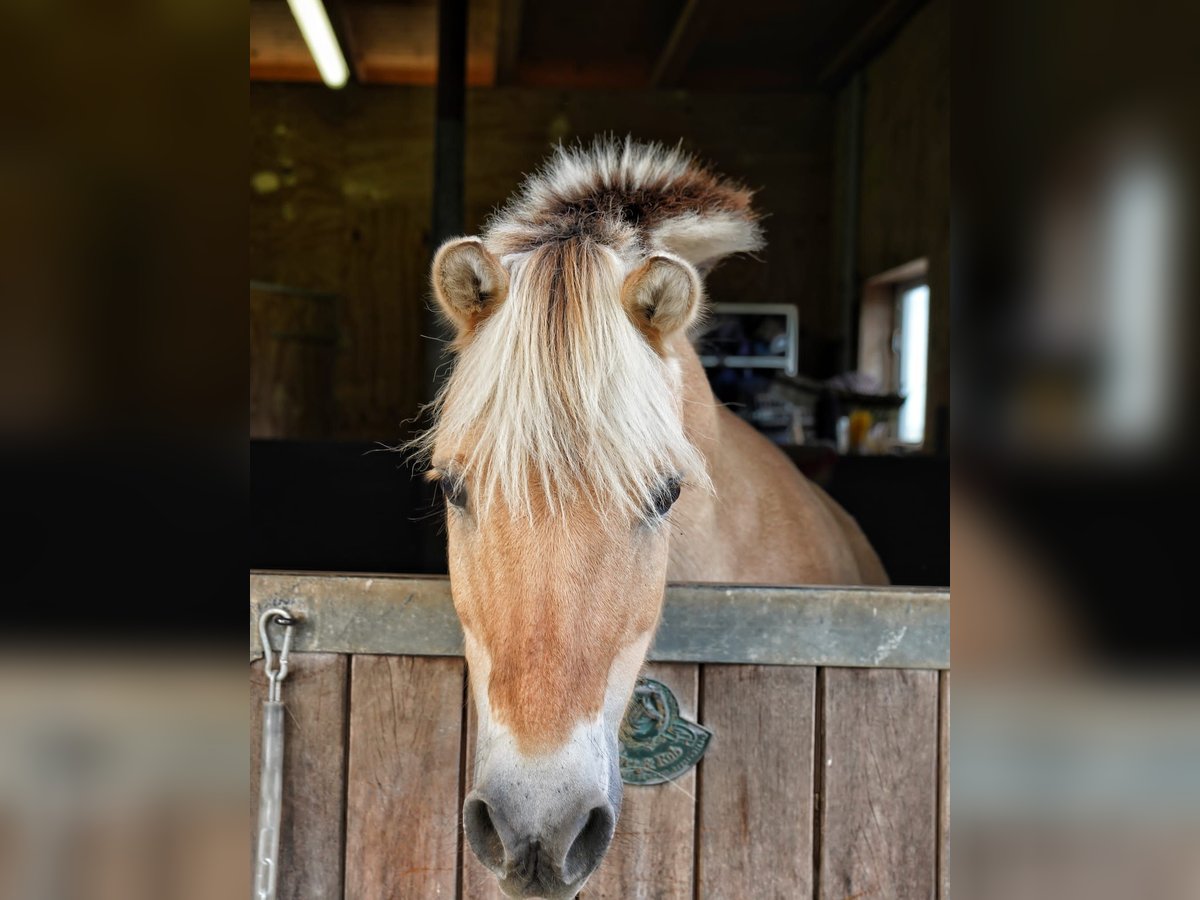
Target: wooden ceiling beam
[(277, 49), (685, 37), (867, 41), (343, 28)]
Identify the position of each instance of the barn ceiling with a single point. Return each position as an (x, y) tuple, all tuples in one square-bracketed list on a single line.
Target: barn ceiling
[(694, 44)]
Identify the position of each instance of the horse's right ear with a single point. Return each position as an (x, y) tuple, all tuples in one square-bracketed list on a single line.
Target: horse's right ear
[(468, 281)]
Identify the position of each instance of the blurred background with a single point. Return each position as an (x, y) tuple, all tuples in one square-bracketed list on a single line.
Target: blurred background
[(1076, 709), (1069, 283), (834, 341)]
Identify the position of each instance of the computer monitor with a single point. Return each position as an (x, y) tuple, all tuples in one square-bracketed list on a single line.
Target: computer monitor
[(750, 336)]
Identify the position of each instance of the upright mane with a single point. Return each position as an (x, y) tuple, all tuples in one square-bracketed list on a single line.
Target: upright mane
[(557, 394), (632, 197)]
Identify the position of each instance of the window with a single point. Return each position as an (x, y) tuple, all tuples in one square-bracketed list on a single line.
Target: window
[(893, 345), (911, 346)]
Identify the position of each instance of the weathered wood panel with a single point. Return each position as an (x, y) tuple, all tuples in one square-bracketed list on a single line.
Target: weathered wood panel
[(755, 787), (341, 186), (819, 782), (379, 368), (652, 857), (841, 626), (879, 807), (293, 342), (311, 839), (943, 786), (402, 833), (297, 211)]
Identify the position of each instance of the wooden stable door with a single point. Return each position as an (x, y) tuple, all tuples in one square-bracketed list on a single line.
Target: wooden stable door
[(819, 782)]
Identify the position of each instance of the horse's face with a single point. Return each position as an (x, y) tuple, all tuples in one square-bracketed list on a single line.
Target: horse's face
[(558, 614), (558, 600)]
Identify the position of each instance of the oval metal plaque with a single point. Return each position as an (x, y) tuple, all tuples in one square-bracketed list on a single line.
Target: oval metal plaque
[(657, 744)]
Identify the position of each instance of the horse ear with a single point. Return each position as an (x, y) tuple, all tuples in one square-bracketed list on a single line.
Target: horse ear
[(662, 295), (468, 281)]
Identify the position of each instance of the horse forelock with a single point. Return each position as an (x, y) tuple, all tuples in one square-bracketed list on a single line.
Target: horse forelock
[(558, 398)]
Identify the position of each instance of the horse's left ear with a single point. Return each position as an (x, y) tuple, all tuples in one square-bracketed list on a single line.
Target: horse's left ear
[(468, 281), (662, 295)]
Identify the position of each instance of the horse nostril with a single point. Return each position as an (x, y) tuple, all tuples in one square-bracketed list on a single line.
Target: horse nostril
[(589, 845), (482, 834)]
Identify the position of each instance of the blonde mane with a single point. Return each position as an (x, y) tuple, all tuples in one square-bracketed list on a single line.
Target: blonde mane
[(557, 396)]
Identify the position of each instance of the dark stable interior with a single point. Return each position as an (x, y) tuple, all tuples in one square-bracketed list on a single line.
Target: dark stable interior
[(354, 507)]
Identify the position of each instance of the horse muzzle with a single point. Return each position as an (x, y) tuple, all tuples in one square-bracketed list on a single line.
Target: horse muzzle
[(552, 863), (543, 824)]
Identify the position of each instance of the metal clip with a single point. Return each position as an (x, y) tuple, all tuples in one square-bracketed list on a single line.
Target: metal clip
[(275, 676)]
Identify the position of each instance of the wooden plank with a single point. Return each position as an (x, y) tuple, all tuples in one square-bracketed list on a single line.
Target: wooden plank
[(845, 626), (652, 855), (293, 340), (685, 36), (892, 627), (311, 841), (878, 811), (943, 848), (385, 279), (755, 813), (385, 262), (297, 169), (402, 796), (331, 210)]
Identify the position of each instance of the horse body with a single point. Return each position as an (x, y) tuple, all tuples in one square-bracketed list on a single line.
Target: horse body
[(585, 460), (764, 522)]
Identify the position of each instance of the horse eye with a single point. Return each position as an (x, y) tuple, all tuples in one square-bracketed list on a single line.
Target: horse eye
[(456, 492), (665, 496)]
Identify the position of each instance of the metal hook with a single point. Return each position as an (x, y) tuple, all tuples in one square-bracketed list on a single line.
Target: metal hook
[(276, 675)]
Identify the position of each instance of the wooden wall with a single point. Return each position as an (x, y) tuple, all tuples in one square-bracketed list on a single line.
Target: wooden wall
[(340, 201), (904, 201), (819, 782), (340, 194)]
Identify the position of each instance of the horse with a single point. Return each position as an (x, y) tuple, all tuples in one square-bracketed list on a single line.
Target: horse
[(584, 462)]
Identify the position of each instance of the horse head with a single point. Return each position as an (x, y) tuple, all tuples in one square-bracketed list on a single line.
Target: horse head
[(561, 447)]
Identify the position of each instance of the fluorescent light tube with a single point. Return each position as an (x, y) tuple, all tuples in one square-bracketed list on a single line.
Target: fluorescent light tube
[(322, 44)]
